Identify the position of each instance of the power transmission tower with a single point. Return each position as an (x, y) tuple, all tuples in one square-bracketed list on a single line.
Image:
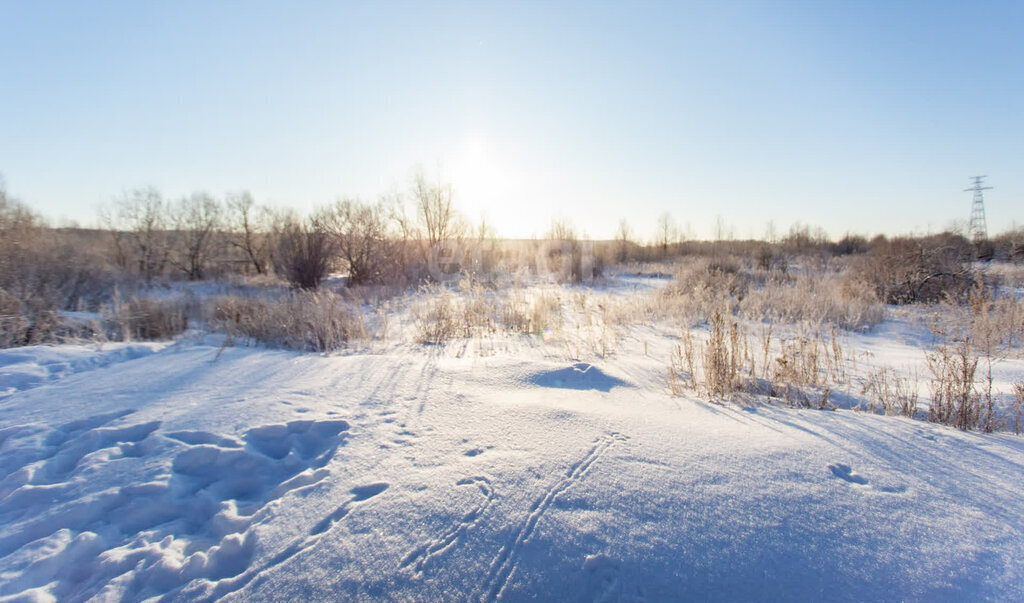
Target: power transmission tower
[(977, 228)]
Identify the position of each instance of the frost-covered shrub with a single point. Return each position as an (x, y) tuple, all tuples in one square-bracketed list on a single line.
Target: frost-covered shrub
[(318, 321), (304, 252), (26, 323), (722, 278), (147, 318), (723, 356), (438, 316), (911, 270), (822, 298), (955, 399), (42, 271), (1017, 407), (894, 394)]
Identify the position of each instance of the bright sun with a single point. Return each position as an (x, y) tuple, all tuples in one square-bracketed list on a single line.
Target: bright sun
[(476, 176)]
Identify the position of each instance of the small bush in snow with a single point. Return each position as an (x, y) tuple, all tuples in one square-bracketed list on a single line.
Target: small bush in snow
[(318, 321), (955, 401), (1018, 407), (822, 298), (723, 356), (895, 395), (437, 317), (913, 270), (147, 318)]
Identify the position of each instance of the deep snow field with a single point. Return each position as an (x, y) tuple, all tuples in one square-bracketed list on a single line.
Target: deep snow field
[(192, 471)]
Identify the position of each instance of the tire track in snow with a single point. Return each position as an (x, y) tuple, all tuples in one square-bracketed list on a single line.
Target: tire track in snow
[(508, 557), (418, 558)]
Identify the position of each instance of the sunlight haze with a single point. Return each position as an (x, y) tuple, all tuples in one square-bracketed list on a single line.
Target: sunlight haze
[(865, 117)]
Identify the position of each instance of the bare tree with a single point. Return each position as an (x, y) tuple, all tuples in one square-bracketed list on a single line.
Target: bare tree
[(486, 253), (19, 227), (666, 228), (304, 250), (41, 272), (361, 238), (139, 228), (196, 220), (437, 214), (722, 229), (565, 249), (622, 237), (249, 225)]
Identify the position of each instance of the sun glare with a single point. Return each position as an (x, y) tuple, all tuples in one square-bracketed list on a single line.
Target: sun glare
[(477, 176)]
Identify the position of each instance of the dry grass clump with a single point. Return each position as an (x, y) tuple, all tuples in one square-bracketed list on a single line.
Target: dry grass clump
[(439, 315), (720, 277), (819, 294), (319, 321), (139, 318), (724, 354), (530, 313), (16, 327), (992, 317), (977, 334), (146, 318), (822, 298), (995, 321), (893, 394), (1017, 407), (805, 368), (801, 370), (955, 401), (699, 288)]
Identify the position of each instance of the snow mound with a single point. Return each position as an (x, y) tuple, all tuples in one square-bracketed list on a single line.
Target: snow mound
[(580, 376), (32, 366)]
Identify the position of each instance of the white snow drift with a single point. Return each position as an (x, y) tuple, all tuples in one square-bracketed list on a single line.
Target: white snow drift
[(191, 473)]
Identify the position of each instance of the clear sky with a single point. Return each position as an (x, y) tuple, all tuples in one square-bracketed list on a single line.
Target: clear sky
[(854, 116)]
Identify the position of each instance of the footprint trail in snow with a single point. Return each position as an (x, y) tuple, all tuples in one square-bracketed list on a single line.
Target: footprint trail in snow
[(504, 564)]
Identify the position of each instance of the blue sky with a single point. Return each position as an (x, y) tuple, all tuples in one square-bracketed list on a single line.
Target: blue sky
[(854, 116)]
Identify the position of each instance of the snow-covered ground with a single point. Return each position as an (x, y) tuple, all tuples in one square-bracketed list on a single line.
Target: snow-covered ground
[(190, 472)]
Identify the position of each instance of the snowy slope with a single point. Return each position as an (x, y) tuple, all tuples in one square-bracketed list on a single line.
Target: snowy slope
[(413, 474)]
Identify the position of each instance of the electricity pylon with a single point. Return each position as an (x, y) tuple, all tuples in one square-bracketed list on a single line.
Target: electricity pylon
[(977, 228)]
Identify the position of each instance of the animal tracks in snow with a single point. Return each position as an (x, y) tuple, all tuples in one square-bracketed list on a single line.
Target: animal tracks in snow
[(845, 472), (418, 558), (359, 495), (507, 559), (194, 522)]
